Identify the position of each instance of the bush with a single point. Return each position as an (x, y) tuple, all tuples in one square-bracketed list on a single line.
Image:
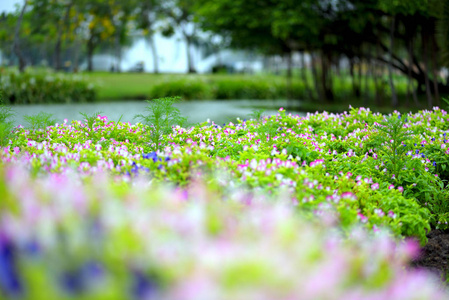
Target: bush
[(186, 88), (37, 87), (226, 88)]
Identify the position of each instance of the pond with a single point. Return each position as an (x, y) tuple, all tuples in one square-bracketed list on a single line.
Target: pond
[(219, 111)]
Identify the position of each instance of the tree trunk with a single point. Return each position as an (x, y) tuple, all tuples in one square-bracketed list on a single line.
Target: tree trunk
[(409, 73), (154, 54), (366, 94), (435, 71), (118, 52), (16, 46), (190, 67), (304, 76), (57, 59), (359, 75), (394, 97), (326, 80), (426, 68), (376, 83), (315, 79), (355, 86), (90, 53), (76, 49), (289, 77)]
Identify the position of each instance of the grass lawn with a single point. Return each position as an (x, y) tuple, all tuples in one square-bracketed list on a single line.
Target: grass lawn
[(140, 86), (119, 86)]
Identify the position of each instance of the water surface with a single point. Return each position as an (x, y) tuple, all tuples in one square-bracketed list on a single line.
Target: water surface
[(219, 111)]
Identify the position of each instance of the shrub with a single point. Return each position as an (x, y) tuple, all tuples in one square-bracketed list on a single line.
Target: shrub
[(190, 89), (226, 88), (33, 87)]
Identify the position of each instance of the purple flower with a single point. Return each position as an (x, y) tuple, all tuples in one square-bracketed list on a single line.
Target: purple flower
[(143, 286), (72, 281), (9, 277)]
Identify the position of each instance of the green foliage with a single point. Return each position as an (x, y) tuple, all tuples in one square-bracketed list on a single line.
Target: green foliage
[(257, 114), (39, 121), (6, 124), (447, 102), (90, 119), (392, 138), (161, 118), (186, 88), (227, 87), (344, 162), (35, 87)]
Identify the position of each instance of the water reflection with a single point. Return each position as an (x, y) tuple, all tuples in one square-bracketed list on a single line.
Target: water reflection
[(196, 111)]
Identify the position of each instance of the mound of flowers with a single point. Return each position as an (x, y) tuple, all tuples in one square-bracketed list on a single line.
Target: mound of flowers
[(65, 236), (96, 209), (337, 160)]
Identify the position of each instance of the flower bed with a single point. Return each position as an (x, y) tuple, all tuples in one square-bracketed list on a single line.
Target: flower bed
[(347, 170), (64, 237)]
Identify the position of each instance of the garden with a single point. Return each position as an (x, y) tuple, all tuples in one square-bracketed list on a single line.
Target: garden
[(326, 206)]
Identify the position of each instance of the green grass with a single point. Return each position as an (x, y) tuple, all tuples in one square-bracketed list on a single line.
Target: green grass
[(137, 86), (143, 86)]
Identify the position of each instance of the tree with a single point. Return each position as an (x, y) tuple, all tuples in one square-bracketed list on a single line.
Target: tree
[(97, 24), (16, 46), (147, 16), (180, 15)]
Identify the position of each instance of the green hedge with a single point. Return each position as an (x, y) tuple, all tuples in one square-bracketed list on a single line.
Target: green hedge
[(37, 87), (226, 88)]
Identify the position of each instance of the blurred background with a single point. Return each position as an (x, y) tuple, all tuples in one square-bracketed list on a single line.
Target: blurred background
[(310, 55)]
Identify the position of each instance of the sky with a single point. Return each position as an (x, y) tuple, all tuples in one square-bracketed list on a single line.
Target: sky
[(8, 5)]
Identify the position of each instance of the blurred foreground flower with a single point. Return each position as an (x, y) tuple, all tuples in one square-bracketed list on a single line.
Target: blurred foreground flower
[(108, 239)]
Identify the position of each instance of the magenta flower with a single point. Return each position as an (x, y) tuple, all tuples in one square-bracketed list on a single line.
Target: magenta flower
[(375, 186), (391, 214), (362, 218)]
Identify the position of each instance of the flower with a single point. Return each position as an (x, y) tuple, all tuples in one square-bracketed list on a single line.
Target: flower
[(391, 214), (9, 277), (375, 186)]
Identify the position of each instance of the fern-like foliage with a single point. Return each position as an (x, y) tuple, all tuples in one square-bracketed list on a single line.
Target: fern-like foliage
[(90, 119), (6, 123), (40, 121), (161, 117), (392, 137)]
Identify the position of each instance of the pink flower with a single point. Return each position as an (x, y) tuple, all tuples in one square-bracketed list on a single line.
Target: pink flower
[(401, 189), (362, 218), (316, 162), (349, 195), (375, 186), (391, 186)]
